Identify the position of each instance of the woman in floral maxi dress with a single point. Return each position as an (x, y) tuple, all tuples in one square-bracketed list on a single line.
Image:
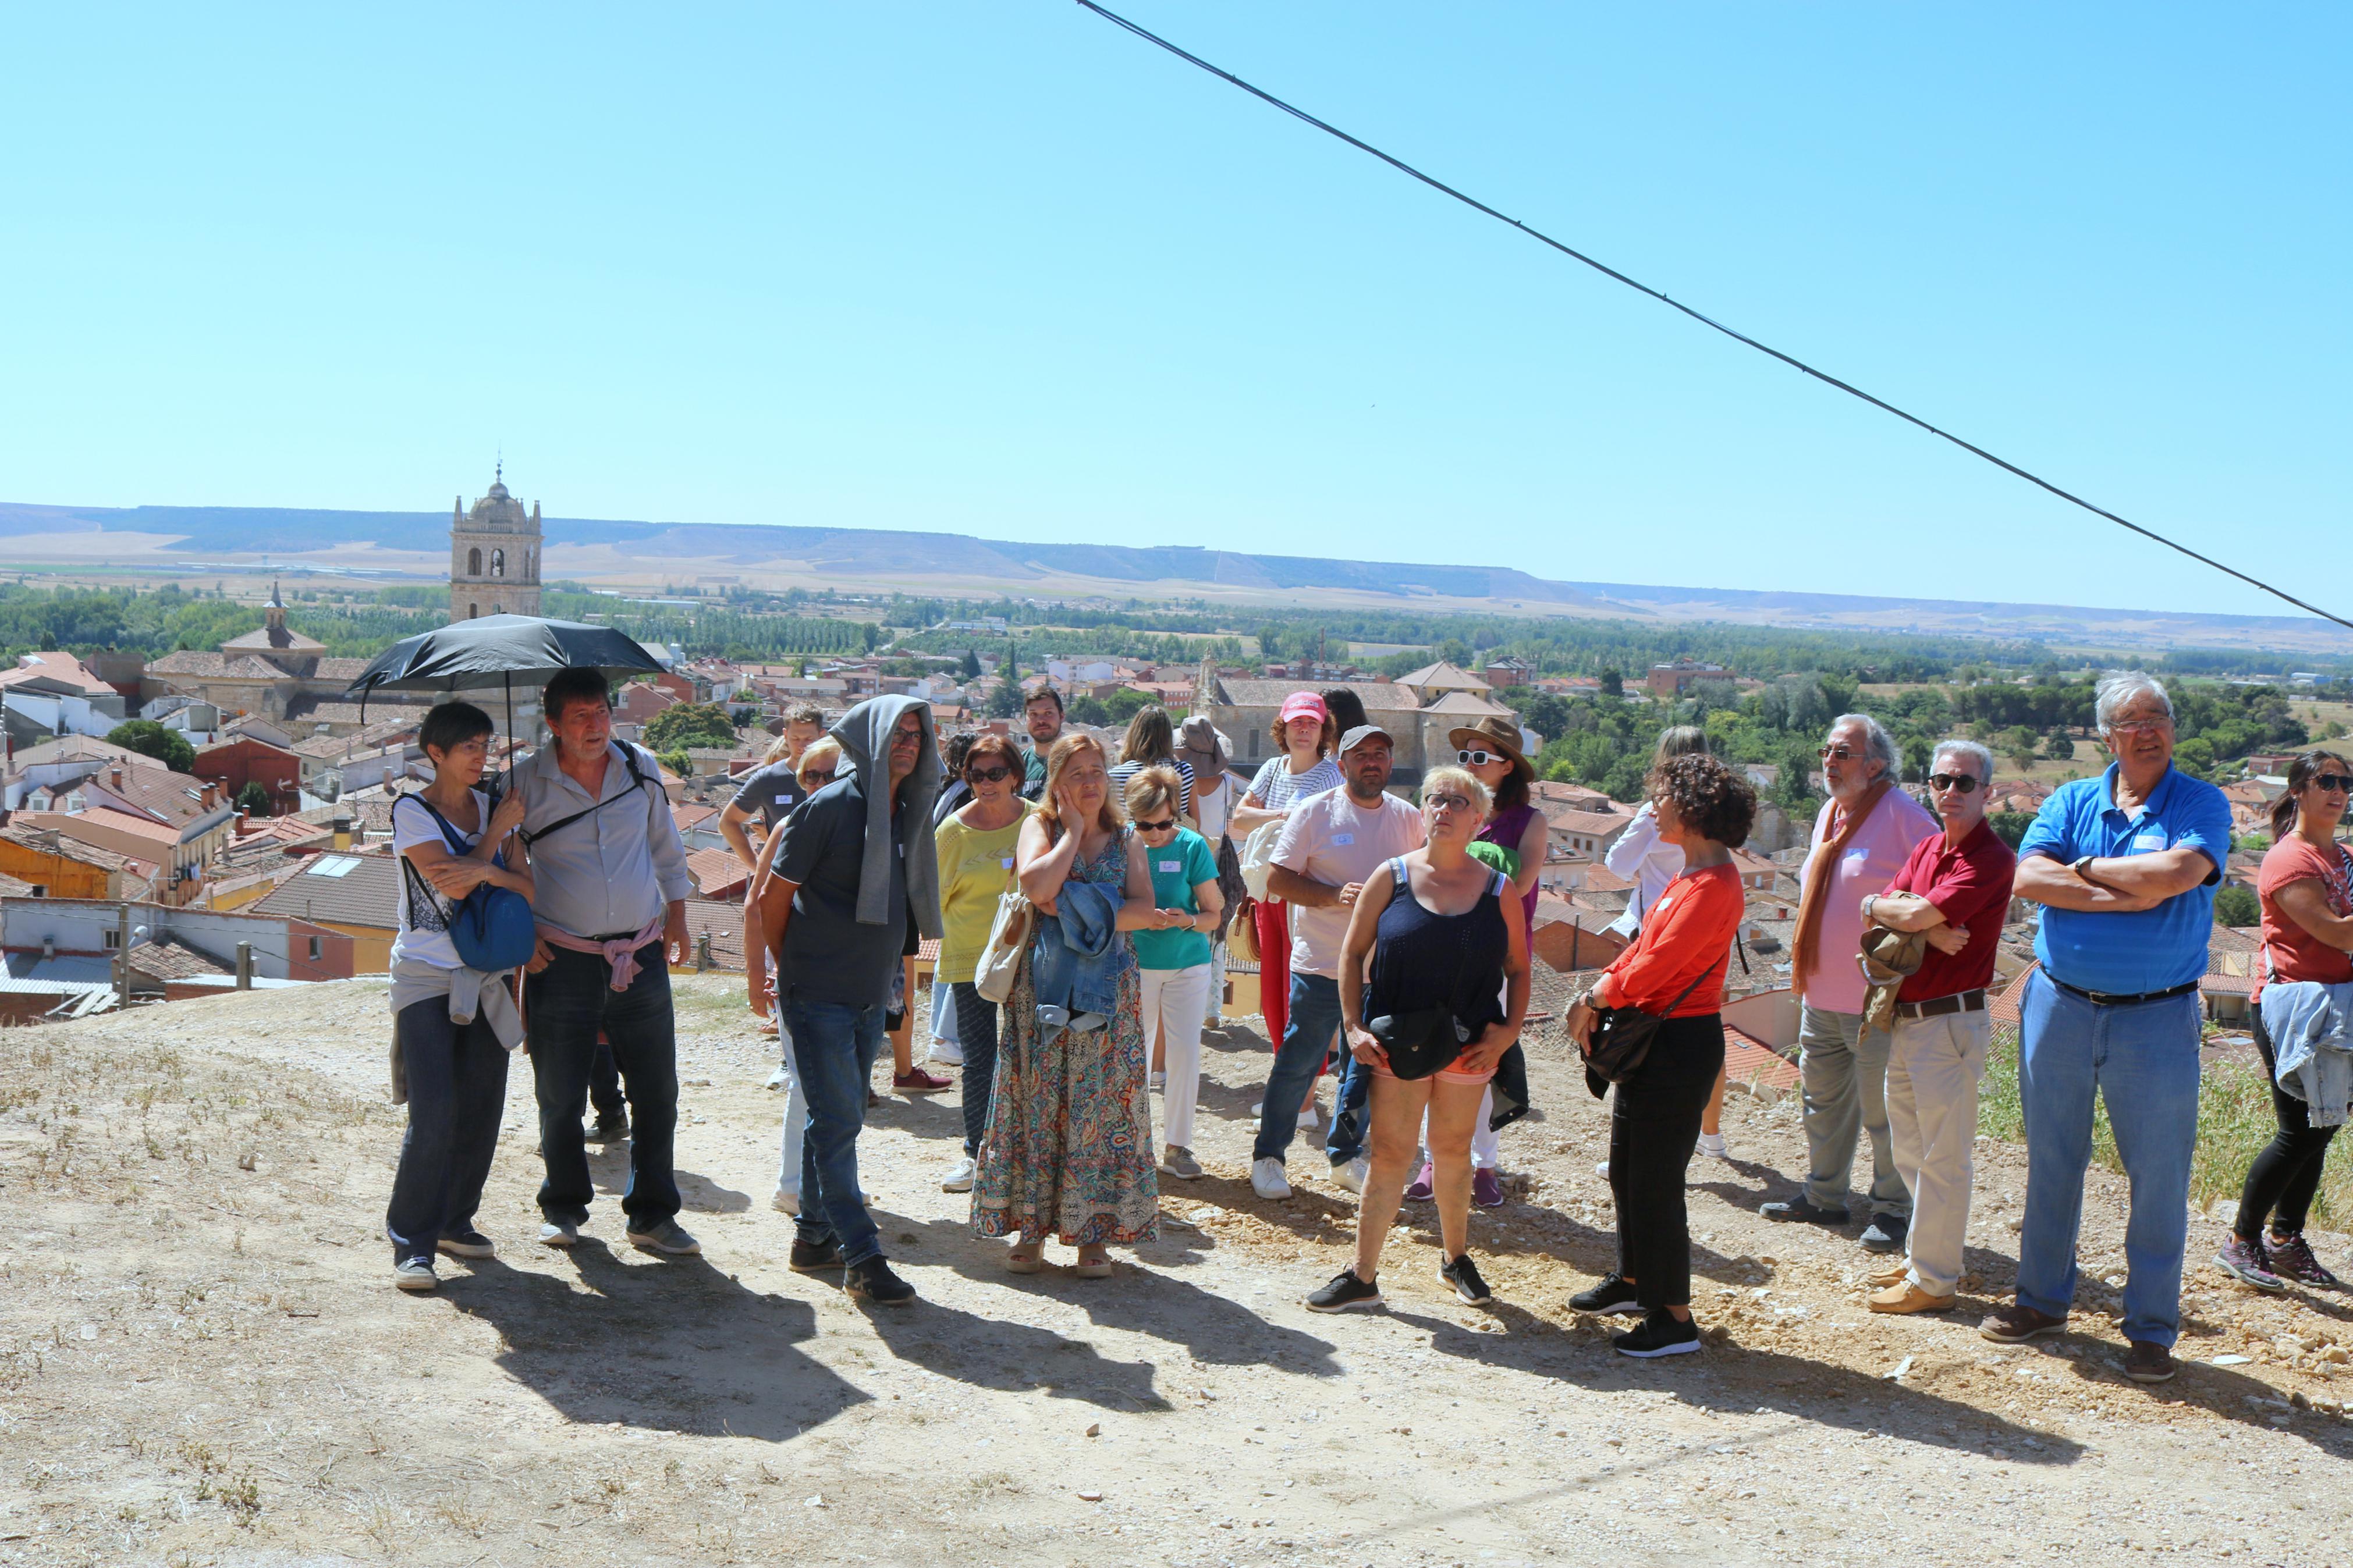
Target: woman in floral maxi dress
[(1068, 1149)]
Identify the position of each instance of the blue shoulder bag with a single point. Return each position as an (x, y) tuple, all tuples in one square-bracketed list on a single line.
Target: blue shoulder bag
[(491, 928)]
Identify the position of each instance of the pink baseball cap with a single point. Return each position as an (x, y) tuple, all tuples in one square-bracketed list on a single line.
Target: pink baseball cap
[(1304, 705)]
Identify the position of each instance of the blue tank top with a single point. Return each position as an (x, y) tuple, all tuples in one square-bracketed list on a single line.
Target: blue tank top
[(1425, 960)]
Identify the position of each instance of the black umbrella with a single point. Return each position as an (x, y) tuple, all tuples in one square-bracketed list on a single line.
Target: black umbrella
[(501, 651)]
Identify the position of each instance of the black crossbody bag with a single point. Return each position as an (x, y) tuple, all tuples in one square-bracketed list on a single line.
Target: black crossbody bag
[(1619, 1041), (636, 783)]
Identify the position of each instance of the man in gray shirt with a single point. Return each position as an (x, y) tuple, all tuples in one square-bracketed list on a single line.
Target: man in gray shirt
[(611, 909)]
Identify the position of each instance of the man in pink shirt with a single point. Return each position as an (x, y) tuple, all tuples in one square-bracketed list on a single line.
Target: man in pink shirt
[(1865, 833)]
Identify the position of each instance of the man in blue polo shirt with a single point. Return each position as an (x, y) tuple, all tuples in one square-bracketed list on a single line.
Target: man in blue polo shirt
[(2124, 867)]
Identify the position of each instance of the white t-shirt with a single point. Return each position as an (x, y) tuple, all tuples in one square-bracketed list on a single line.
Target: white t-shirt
[(1214, 805), (1277, 787), (1334, 840), (413, 823)]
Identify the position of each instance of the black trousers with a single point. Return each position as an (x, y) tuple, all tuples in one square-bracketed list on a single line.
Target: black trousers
[(976, 1018), (2284, 1177), (1653, 1127), (605, 1084)]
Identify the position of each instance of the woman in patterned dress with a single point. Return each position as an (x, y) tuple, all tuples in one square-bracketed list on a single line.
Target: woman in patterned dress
[(1068, 1149)]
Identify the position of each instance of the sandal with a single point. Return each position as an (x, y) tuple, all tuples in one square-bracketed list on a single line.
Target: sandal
[(1025, 1257), (1097, 1268)]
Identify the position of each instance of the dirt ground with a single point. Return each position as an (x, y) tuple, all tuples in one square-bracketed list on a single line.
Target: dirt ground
[(202, 1358)]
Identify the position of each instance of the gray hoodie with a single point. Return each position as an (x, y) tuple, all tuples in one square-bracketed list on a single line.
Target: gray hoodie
[(864, 733)]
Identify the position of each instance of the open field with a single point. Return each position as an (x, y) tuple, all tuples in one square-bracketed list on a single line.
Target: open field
[(201, 1360)]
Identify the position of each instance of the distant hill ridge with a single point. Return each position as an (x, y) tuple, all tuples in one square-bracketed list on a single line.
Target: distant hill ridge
[(935, 563)]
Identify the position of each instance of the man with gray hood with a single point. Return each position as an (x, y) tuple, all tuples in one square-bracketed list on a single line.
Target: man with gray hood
[(855, 886)]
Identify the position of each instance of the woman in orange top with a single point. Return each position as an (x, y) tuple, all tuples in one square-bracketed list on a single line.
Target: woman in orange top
[(1703, 809)]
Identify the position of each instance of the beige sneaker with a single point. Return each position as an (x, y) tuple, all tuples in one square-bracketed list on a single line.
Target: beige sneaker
[(1894, 1274), (1909, 1298)]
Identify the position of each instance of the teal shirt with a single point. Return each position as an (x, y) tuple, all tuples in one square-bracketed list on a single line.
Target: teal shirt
[(1177, 867)]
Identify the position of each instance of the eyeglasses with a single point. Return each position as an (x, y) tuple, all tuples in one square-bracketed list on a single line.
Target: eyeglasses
[(989, 775), (817, 776), (1448, 802), (2137, 726), (1480, 759), (1965, 783), (1162, 825), (1842, 752), (2332, 782)]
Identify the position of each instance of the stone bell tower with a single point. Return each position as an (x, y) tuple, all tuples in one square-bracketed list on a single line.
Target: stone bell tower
[(493, 556)]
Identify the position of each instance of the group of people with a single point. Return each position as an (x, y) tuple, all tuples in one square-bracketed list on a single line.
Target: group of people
[(1079, 899)]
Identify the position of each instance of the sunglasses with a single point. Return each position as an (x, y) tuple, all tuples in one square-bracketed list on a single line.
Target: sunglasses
[(1965, 783), (1480, 759), (1448, 802), (989, 775), (1843, 753), (817, 776), (2332, 782), (1162, 825)]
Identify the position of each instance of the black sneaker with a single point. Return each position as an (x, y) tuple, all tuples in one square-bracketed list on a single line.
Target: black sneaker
[(1885, 1232), (1463, 1275), (874, 1281), (814, 1257), (1612, 1295), (468, 1242), (1659, 1333), (1800, 1209), (1345, 1291), (610, 1129)]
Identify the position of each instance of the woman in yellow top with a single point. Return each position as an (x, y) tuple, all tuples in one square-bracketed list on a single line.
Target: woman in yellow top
[(975, 848)]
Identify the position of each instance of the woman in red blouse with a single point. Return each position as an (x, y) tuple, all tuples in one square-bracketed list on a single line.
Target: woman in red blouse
[(1703, 809), (2305, 887)]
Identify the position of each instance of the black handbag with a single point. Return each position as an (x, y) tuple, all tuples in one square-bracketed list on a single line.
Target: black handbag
[(1422, 1042), (1619, 1041)]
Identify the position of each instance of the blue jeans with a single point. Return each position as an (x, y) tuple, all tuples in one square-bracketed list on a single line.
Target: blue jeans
[(1315, 1020), (457, 1091), (834, 1048), (2142, 1059), (566, 1005)]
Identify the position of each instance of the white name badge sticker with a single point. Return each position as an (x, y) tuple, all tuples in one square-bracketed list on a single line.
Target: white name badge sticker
[(784, 799), (2143, 843), (1343, 839), (1172, 864), (1006, 862)]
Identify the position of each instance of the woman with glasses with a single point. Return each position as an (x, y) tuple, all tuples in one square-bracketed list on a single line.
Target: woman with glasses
[(1067, 1148), (975, 845), (2305, 889), (1674, 972), (1447, 939), (1303, 767), (1175, 961)]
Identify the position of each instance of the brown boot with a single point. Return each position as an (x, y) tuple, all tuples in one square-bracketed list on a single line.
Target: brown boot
[(1907, 1297)]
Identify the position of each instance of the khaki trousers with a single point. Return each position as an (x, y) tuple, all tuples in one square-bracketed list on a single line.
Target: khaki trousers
[(1933, 1068)]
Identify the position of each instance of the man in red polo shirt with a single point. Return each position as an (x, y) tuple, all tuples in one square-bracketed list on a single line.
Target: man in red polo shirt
[(1956, 887)]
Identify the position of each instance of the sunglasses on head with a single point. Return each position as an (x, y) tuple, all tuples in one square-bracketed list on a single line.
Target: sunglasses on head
[(2332, 782), (1162, 825), (1965, 783), (1480, 759), (989, 775)]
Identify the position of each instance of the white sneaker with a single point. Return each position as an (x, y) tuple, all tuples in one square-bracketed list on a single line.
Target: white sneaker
[(1268, 1180), (1307, 1118), (1602, 1170), (959, 1176), (946, 1051), (1711, 1145), (555, 1233), (415, 1274), (780, 1078), (1160, 1080), (1352, 1174), (786, 1199), (1259, 1109)]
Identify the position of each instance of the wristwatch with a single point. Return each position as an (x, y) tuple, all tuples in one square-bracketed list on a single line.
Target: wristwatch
[(2081, 865)]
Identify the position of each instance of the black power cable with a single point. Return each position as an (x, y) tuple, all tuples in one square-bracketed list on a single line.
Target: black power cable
[(1611, 272)]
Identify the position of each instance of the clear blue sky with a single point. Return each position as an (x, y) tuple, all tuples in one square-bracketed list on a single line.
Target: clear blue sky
[(1000, 268)]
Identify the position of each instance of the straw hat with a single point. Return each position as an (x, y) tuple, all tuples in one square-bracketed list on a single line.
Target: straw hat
[(1497, 733)]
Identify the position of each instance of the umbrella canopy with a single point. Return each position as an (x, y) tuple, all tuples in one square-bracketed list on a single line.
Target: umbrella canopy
[(502, 651)]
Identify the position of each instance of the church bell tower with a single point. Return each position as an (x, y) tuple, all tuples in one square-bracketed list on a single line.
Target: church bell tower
[(493, 556)]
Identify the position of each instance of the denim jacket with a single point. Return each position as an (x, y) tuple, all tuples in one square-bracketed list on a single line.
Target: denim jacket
[(1079, 957), (2307, 1023)]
